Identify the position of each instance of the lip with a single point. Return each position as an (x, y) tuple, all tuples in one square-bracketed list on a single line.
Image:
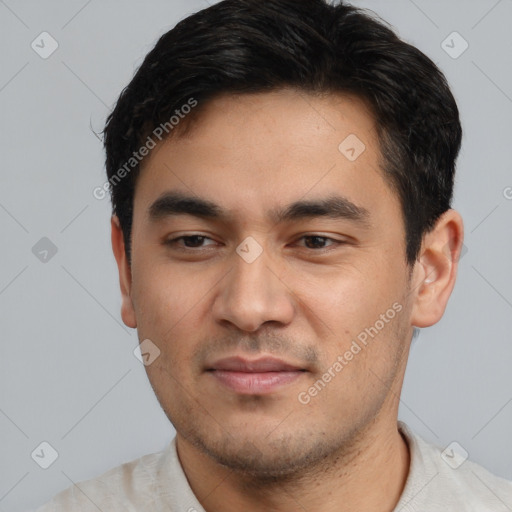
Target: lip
[(250, 377), (261, 365)]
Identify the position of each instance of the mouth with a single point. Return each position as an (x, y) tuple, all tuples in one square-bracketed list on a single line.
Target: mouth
[(256, 377)]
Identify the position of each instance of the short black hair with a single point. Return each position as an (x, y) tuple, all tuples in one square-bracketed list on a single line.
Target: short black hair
[(254, 46)]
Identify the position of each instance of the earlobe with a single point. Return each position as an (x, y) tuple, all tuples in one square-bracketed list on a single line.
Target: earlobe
[(125, 276), (435, 270)]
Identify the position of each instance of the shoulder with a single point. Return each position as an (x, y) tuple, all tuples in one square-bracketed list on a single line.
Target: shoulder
[(445, 476), (113, 490)]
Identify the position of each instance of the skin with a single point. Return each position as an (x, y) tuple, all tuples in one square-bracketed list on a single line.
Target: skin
[(300, 302)]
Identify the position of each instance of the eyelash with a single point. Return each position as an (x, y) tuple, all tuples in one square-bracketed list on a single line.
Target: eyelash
[(173, 242)]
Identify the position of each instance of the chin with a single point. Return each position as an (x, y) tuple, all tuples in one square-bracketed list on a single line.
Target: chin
[(263, 459)]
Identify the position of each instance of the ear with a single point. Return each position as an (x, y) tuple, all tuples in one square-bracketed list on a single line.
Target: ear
[(435, 270), (125, 273)]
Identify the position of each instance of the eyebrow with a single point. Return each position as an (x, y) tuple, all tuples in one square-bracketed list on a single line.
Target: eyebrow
[(334, 207)]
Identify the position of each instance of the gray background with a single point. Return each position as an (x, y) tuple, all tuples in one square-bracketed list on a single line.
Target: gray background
[(68, 374)]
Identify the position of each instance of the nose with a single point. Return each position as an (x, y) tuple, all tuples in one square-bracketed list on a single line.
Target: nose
[(252, 294)]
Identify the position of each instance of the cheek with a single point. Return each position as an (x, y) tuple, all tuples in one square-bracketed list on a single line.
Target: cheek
[(168, 307), (164, 295), (356, 305), (346, 297)]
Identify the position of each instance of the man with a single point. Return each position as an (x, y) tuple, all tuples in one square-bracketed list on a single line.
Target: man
[(281, 175)]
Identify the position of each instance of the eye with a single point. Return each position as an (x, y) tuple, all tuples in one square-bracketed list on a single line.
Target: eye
[(318, 241), (189, 241)]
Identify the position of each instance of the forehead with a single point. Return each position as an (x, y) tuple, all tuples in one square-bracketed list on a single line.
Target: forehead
[(299, 119), (256, 152)]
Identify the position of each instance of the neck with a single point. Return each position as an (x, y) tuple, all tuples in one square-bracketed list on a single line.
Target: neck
[(371, 479)]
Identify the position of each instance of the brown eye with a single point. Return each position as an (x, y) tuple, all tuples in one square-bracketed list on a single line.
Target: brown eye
[(315, 241), (319, 242), (188, 241), (193, 241)]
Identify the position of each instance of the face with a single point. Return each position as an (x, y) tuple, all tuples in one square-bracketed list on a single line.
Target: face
[(279, 300)]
